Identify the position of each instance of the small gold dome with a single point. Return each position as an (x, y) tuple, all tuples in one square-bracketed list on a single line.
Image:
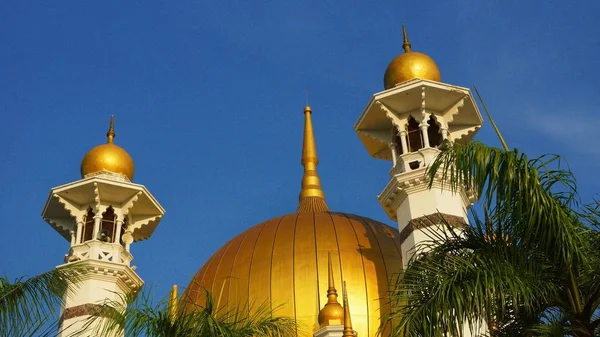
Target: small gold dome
[(410, 65), (331, 312), (108, 157)]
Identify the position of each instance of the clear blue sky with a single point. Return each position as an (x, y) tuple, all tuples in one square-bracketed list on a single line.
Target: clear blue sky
[(208, 99)]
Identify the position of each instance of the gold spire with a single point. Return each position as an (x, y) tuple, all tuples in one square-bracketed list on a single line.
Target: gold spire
[(348, 331), (110, 135), (173, 303), (406, 46), (312, 198), (331, 291), (332, 313)]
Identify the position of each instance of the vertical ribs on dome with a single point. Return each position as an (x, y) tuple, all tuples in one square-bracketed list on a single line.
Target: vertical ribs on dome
[(312, 198)]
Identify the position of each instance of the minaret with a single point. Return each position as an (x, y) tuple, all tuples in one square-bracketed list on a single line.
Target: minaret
[(405, 124), (100, 216)]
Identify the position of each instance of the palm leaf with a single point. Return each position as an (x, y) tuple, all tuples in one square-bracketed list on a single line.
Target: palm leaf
[(30, 306)]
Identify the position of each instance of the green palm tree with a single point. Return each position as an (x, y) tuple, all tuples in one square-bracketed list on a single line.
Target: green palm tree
[(530, 267), (142, 317), (30, 306)]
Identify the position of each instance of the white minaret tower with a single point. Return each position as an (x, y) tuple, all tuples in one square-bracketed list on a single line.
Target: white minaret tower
[(405, 124), (100, 216)]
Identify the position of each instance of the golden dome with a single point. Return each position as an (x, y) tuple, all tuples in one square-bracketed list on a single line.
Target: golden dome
[(283, 261), (410, 65), (291, 261), (108, 157)]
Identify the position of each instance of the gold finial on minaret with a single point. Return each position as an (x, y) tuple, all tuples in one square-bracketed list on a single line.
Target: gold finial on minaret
[(406, 45), (332, 313), (110, 135), (173, 303), (312, 198), (348, 331)]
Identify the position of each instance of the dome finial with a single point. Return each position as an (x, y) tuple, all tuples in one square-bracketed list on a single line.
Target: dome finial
[(406, 45), (110, 135), (312, 198), (332, 312), (331, 291), (348, 331)]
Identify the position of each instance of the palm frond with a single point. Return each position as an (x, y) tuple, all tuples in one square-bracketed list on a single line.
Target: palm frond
[(30, 306), (539, 192), (140, 316)]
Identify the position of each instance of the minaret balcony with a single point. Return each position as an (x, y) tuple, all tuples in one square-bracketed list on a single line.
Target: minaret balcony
[(98, 250), (414, 160)]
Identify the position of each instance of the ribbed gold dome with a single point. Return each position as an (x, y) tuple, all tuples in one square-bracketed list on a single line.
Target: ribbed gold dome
[(293, 261), (283, 261), (410, 65), (108, 157)]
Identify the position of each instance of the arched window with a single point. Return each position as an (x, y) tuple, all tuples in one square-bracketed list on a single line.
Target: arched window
[(107, 226), (123, 228), (433, 133), (88, 226), (415, 140), (397, 142)]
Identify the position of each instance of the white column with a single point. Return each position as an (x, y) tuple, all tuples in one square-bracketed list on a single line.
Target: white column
[(393, 150), (72, 232), (444, 133), (118, 231), (403, 135), (79, 231), (424, 126), (97, 220)]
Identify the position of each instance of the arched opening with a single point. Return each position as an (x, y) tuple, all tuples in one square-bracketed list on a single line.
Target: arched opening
[(123, 228), (433, 132), (88, 226), (107, 226), (397, 142), (415, 140)]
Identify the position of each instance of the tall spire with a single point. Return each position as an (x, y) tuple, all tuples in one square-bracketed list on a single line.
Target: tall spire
[(110, 135), (348, 331), (406, 45), (312, 198)]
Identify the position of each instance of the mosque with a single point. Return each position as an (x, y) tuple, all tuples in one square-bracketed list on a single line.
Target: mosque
[(297, 262)]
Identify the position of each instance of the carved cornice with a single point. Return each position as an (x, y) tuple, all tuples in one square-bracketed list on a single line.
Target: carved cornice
[(403, 184)]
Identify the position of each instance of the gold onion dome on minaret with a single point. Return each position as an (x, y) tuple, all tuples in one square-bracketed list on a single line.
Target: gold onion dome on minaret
[(108, 158), (410, 65), (333, 312)]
